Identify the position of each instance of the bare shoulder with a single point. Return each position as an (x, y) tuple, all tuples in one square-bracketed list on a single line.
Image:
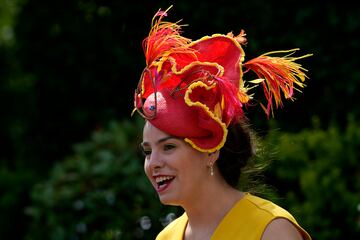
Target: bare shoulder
[(281, 229)]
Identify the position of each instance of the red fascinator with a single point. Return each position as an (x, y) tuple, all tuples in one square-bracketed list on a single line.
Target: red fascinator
[(195, 89)]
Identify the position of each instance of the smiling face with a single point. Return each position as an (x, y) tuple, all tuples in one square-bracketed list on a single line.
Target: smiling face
[(177, 171)]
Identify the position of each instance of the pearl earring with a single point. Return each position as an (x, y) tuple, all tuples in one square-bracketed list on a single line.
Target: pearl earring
[(211, 169)]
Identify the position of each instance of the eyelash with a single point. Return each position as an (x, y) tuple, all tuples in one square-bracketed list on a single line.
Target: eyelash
[(146, 152), (166, 147)]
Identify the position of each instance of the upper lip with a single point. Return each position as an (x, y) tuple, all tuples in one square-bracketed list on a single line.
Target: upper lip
[(162, 177)]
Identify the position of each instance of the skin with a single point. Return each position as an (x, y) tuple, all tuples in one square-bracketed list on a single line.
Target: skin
[(170, 156), (282, 229), (191, 186)]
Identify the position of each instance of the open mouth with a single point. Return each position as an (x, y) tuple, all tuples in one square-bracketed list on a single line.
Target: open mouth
[(163, 182)]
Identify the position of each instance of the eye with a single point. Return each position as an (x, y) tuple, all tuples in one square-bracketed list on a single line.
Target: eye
[(168, 147), (146, 152)]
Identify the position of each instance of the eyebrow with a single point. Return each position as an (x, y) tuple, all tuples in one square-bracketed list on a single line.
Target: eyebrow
[(161, 140)]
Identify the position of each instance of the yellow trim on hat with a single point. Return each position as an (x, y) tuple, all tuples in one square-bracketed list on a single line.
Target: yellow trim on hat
[(208, 111), (192, 64), (242, 59)]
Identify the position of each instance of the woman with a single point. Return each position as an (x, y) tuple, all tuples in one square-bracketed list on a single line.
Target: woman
[(195, 139)]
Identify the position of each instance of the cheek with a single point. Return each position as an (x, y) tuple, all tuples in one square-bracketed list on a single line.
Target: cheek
[(146, 168), (194, 171)]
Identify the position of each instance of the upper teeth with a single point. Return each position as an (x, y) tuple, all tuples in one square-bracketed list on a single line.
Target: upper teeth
[(160, 179)]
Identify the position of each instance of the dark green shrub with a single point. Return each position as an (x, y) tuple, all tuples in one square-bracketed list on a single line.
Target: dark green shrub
[(100, 192), (14, 187), (317, 174)]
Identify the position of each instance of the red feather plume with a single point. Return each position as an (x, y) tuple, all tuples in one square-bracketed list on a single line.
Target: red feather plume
[(280, 75)]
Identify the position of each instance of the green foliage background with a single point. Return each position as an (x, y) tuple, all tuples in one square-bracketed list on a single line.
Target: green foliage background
[(69, 166), (99, 192)]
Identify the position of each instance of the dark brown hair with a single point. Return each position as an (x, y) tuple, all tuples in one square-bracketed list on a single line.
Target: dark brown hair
[(238, 155)]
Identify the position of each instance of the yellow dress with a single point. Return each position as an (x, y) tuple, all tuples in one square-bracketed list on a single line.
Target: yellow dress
[(247, 220)]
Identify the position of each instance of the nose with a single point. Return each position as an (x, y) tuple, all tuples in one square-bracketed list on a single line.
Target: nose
[(155, 160)]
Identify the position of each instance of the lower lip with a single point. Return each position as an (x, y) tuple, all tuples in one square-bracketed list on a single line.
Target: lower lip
[(163, 187)]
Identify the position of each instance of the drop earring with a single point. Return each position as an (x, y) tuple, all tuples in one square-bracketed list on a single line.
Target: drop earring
[(211, 169)]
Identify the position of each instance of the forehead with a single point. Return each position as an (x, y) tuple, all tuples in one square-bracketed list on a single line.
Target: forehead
[(152, 133)]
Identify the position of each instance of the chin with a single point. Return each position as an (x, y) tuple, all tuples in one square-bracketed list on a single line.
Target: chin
[(168, 201)]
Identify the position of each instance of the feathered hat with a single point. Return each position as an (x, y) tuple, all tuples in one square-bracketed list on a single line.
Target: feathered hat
[(195, 89)]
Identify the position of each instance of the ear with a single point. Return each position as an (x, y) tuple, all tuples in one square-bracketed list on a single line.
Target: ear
[(214, 156)]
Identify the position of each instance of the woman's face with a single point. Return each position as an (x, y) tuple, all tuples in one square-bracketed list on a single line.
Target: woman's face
[(176, 170)]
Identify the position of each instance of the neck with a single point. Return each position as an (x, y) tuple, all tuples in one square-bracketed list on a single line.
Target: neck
[(209, 208)]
